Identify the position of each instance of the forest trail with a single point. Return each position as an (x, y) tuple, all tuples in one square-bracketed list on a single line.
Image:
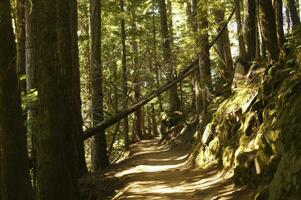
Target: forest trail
[(161, 171)]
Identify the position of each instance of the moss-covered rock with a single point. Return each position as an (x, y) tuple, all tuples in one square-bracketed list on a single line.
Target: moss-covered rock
[(257, 130)]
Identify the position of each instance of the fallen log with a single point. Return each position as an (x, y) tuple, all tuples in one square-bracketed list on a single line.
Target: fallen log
[(186, 72), (119, 116)]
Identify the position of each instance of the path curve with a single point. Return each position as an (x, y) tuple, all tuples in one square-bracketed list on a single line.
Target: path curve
[(156, 171)]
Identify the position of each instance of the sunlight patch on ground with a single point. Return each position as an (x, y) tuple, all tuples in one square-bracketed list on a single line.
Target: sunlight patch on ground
[(148, 168), (180, 187), (171, 159)]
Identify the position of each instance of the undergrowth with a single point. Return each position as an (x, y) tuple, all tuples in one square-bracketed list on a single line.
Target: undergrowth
[(256, 132)]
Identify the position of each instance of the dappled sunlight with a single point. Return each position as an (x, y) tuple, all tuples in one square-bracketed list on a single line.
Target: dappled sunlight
[(174, 187), (155, 170), (149, 168), (167, 175)]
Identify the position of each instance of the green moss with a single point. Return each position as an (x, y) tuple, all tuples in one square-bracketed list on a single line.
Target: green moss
[(227, 157), (257, 130), (214, 146)]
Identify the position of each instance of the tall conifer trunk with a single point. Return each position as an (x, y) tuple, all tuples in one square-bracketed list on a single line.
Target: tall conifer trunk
[(278, 7), (295, 18), (137, 85), (99, 156), (31, 83), (58, 115), (241, 41), (174, 101), (124, 76), (250, 28), (14, 173), (268, 28)]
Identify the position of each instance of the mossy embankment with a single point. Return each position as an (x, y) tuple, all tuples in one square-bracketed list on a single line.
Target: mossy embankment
[(256, 132)]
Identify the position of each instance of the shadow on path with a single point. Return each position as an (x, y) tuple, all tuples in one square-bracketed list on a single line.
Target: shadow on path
[(157, 171)]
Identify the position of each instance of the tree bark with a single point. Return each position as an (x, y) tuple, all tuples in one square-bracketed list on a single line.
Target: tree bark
[(278, 7), (57, 138), (68, 59), (76, 96), (99, 152), (20, 32), (241, 41), (174, 101), (137, 85), (268, 28), (293, 13), (157, 67), (14, 171), (250, 28), (288, 19), (204, 77), (154, 122), (195, 29), (124, 76), (31, 84), (170, 22)]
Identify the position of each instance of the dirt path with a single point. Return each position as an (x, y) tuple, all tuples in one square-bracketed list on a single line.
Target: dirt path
[(156, 171)]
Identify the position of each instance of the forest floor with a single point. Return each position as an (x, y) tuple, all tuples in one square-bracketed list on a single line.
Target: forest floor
[(160, 171)]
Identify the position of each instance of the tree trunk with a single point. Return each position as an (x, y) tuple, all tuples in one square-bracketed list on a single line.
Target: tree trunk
[(68, 59), (194, 19), (157, 67), (31, 81), (137, 84), (99, 154), (268, 28), (258, 44), (154, 122), (250, 28), (76, 96), (241, 41), (57, 138), (170, 22), (293, 13), (14, 172), (204, 55), (224, 50), (20, 32), (288, 19), (278, 7), (174, 101), (124, 76)]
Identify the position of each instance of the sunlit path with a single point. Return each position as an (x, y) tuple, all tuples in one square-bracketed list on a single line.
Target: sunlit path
[(157, 171)]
